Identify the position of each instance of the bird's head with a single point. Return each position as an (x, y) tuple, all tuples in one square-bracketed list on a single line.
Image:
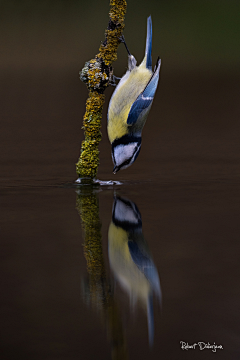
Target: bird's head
[(125, 151)]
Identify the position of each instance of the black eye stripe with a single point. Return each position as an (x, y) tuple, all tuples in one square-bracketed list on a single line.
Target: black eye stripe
[(137, 150), (134, 156), (126, 140), (126, 162)]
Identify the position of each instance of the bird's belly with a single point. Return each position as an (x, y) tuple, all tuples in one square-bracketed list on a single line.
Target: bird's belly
[(127, 91)]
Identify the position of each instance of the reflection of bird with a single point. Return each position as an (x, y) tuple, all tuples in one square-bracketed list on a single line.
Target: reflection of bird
[(130, 259), (130, 105)]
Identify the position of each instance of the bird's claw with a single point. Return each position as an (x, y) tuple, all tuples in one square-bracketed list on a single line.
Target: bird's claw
[(112, 82)]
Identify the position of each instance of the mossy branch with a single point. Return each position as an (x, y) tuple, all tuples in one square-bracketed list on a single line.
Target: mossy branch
[(97, 74), (98, 289)]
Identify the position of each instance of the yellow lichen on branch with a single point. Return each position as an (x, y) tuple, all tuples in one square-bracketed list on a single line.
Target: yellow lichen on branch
[(114, 32), (89, 159), (97, 74), (88, 209)]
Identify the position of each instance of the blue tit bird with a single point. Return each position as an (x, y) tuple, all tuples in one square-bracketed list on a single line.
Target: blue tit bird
[(130, 105), (130, 258)]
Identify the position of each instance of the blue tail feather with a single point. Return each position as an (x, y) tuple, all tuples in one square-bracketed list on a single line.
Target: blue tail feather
[(150, 317), (148, 50)]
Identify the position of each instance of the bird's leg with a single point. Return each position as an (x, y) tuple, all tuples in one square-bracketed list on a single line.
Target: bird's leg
[(122, 39), (131, 59)]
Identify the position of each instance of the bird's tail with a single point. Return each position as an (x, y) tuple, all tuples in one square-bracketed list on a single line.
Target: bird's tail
[(148, 50), (150, 317)]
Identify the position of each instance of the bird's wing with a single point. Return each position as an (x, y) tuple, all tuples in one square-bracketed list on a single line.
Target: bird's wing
[(146, 265), (144, 100), (140, 258)]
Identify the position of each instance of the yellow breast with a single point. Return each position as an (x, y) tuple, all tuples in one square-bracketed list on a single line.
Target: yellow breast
[(127, 91), (124, 268)]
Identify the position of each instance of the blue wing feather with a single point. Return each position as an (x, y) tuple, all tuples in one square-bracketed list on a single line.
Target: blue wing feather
[(140, 259), (145, 99), (145, 264)]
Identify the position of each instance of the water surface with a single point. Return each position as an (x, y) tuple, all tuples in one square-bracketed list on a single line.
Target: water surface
[(186, 187)]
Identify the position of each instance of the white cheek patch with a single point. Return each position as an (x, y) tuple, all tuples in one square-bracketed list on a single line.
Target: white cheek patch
[(125, 213), (124, 152)]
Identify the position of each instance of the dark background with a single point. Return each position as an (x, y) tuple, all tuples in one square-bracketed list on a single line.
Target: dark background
[(44, 44)]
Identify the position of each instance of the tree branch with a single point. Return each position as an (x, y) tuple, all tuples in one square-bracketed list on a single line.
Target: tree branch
[(97, 74)]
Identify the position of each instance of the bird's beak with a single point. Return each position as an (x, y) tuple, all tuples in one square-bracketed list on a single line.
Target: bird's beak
[(115, 169)]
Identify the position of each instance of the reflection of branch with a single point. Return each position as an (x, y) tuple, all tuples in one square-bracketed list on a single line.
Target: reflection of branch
[(101, 295), (87, 206), (116, 331), (97, 74)]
